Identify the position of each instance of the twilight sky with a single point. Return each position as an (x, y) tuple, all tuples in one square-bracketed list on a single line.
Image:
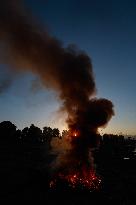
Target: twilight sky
[(106, 30)]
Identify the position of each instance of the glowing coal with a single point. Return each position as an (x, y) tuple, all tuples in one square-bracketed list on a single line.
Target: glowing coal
[(78, 180)]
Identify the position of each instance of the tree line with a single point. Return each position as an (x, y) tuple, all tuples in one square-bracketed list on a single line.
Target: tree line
[(32, 134)]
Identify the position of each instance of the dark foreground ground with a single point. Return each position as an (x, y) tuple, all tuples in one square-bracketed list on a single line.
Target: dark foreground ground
[(31, 186), (37, 191)]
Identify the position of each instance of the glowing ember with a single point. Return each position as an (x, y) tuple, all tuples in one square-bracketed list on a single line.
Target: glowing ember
[(74, 134), (88, 181)]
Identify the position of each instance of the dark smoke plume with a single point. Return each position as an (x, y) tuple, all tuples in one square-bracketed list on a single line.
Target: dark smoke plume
[(67, 70)]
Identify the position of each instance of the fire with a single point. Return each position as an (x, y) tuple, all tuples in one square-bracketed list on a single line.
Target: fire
[(84, 181), (80, 173), (75, 134)]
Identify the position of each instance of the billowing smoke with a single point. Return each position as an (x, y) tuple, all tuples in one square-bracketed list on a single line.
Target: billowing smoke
[(28, 47)]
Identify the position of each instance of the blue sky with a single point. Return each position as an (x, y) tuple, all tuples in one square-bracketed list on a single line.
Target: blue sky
[(106, 30)]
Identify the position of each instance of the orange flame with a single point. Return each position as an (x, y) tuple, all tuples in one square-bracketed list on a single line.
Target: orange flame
[(75, 134)]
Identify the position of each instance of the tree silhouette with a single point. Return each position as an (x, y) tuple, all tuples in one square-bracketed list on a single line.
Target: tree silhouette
[(48, 134), (7, 132), (56, 132), (24, 134), (64, 133), (32, 135)]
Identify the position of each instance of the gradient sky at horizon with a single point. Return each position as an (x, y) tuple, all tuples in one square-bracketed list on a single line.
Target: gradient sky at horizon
[(106, 30)]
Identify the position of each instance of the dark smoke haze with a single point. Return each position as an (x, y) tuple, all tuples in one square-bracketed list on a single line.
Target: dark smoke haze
[(28, 47)]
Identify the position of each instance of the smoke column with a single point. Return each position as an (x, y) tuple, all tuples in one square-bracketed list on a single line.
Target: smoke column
[(68, 71)]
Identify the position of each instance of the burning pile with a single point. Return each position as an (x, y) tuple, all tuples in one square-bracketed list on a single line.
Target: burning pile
[(88, 181), (78, 171), (29, 48)]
